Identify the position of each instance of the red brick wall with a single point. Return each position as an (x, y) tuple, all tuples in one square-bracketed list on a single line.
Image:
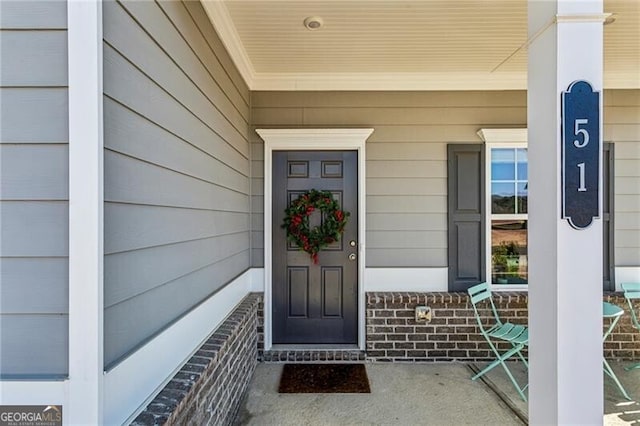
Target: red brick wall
[(453, 333), (208, 389)]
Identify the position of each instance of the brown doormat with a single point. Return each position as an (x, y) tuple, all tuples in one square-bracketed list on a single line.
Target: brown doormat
[(324, 378)]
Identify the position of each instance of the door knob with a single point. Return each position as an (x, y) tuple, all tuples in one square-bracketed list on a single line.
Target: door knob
[(352, 256)]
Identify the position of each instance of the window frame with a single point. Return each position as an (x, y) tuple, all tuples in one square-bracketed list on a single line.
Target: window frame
[(503, 144)]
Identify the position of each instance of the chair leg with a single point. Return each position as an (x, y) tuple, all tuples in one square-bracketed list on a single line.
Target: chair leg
[(500, 361), (633, 367), (524, 360), (610, 373)]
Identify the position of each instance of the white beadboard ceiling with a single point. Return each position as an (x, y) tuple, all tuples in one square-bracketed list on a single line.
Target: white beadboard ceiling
[(400, 44)]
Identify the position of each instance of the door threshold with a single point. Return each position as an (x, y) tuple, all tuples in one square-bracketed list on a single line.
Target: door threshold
[(317, 353), (311, 347)]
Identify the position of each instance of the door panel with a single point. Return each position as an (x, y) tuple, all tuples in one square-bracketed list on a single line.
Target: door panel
[(315, 303)]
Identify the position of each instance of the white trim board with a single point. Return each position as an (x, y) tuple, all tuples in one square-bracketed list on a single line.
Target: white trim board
[(385, 279), (626, 274), (313, 139), (86, 222), (34, 392), (406, 279), (153, 365)]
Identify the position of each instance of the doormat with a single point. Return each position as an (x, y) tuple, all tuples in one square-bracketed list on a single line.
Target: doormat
[(324, 378)]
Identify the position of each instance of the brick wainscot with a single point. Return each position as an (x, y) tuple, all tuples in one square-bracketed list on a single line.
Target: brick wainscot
[(393, 334)]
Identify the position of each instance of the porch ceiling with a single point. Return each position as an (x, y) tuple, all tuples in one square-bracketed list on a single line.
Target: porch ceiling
[(400, 44)]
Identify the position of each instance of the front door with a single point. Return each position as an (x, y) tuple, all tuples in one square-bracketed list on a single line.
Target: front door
[(315, 303)]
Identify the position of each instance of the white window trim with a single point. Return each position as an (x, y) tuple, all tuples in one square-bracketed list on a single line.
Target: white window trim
[(499, 138)]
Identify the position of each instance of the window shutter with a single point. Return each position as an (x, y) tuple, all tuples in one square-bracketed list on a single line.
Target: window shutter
[(466, 215), (608, 265)]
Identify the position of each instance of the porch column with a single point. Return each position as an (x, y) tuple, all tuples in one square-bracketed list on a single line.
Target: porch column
[(85, 386), (565, 291)]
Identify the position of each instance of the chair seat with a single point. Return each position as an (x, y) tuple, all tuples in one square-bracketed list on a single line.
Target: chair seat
[(515, 333), (609, 310)]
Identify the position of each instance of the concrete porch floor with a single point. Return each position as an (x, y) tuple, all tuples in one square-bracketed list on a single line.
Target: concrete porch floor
[(417, 394)]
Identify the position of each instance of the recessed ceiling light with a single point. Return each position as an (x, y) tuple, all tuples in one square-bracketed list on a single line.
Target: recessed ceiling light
[(313, 23), (610, 19)]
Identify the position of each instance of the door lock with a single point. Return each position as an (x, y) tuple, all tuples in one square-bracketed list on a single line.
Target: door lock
[(352, 243), (352, 256)]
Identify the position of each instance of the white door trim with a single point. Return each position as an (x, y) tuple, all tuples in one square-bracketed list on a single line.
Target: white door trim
[(317, 140)]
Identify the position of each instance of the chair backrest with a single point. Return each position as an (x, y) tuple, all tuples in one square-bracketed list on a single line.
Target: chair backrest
[(632, 292), (480, 293)]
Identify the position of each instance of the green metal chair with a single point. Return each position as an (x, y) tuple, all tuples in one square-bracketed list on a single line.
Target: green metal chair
[(498, 331), (631, 293), (614, 313)]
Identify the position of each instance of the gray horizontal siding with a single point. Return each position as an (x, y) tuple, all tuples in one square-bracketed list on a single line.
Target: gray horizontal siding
[(381, 99), (133, 273), (138, 226), (33, 14), (43, 58), (34, 228), (34, 345), (161, 147), (133, 181), (177, 205), (126, 84), (34, 115), (406, 160), (402, 116), (140, 316), (34, 172), (35, 285), (34, 191)]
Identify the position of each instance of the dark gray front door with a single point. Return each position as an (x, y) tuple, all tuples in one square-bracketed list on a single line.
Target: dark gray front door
[(315, 304)]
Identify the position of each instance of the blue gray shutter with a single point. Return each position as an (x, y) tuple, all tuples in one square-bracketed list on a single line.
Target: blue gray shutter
[(466, 215), (608, 265)]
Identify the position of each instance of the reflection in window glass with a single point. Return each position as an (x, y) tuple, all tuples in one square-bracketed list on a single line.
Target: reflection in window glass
[(503, 198), (509, 184), (522, 197), (503, 164), (509, 252), (522, 161), (509, 189)]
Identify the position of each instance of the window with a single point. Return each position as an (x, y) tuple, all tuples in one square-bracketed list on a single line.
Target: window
[(507, 203), (487, 212)]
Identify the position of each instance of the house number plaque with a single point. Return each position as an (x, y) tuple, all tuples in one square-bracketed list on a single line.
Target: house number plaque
[(580, 154)]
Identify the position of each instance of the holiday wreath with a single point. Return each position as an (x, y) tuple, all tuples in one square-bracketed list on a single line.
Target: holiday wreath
[(296, 221)]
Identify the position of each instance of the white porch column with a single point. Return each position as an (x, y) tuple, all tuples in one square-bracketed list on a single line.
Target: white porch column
[(85, 387), (565, 291)]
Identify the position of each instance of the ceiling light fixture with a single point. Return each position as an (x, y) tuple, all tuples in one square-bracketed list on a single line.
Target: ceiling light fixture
[(313, 23), (610, 19)]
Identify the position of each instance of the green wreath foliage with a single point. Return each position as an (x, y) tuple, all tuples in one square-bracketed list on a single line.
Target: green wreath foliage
[(296, 221)]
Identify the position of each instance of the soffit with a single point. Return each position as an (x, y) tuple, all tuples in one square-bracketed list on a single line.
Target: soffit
[(399, 44)]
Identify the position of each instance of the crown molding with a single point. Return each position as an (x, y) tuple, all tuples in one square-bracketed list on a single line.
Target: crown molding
[(305, 138), (516, 135), (391, 81), (223, 24)]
